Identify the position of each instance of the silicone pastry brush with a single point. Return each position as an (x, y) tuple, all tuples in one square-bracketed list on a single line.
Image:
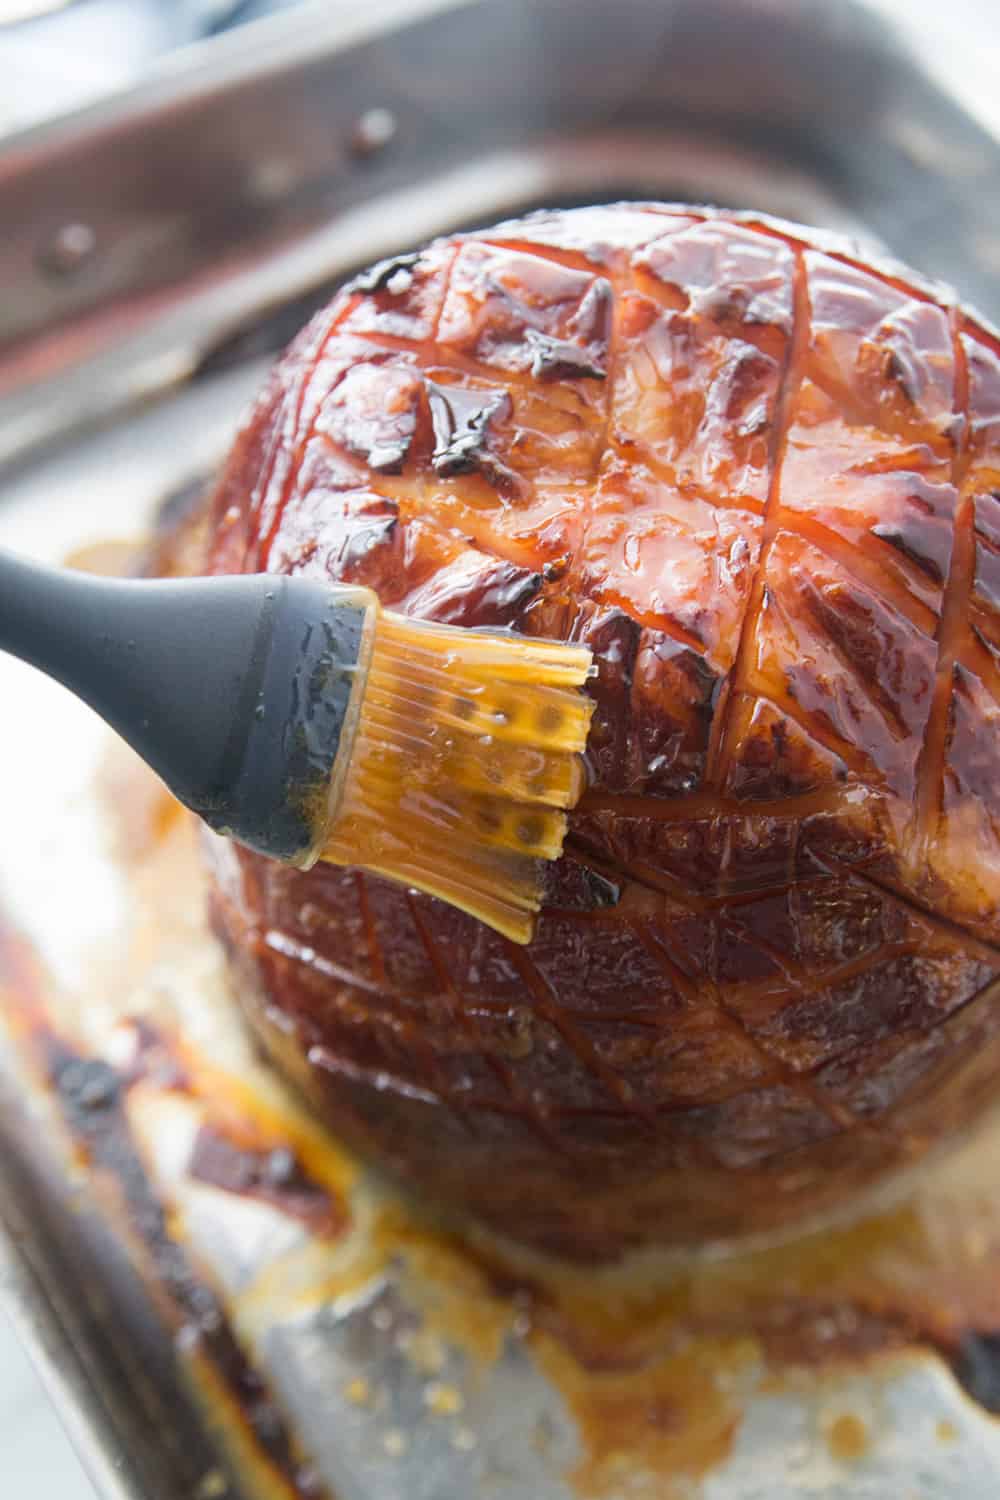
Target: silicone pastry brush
[(306, 722)]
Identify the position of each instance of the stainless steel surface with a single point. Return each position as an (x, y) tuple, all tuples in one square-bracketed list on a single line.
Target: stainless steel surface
[(58, 55), (238, 182), (220, 204), (65, 1351)]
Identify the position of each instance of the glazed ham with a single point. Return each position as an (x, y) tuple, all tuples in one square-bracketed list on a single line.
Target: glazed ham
[(761, 480)]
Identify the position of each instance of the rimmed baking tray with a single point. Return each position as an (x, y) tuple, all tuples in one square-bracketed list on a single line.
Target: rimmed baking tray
[(222, 1304)]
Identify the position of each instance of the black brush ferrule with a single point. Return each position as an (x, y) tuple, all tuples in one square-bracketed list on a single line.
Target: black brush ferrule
[(305, 681)]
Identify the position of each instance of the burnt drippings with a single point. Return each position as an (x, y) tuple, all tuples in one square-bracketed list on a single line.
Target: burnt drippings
[(91, 1097), (274, 1176), (461, 420), (272, 1173), (797, 1327), (794, 1330)]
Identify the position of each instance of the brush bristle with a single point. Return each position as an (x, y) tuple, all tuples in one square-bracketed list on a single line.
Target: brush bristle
[(467, 754)]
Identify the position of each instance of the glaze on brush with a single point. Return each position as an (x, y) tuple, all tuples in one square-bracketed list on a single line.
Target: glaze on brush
[(306, 723)]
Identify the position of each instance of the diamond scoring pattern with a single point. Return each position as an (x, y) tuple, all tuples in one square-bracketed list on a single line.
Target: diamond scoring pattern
[(759, 479)]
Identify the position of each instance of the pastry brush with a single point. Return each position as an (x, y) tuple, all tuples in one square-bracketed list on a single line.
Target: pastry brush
[(308, 723)]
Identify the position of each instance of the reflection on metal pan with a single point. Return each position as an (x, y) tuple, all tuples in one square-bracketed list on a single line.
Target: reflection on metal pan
[(141, 234)]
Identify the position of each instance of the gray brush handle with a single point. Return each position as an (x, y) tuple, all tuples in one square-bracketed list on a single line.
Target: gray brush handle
[(235, 690)]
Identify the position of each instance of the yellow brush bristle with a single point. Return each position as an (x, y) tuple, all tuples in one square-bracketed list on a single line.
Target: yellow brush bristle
[(466, 756)]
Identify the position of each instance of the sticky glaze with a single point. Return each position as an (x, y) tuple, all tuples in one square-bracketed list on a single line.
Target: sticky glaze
[(759, 479)]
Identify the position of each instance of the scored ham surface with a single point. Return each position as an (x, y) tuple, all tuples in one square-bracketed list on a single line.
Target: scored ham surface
[(762, 481)]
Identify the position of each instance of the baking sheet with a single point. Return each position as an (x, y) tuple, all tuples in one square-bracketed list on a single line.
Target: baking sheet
[(383, 1357), (406, 1370)]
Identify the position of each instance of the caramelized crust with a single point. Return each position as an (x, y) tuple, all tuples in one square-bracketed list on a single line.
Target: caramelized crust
[(760, 479)]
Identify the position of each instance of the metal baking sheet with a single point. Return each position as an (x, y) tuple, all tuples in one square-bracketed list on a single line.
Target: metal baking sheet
[(209, 1338), (147, 238)]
